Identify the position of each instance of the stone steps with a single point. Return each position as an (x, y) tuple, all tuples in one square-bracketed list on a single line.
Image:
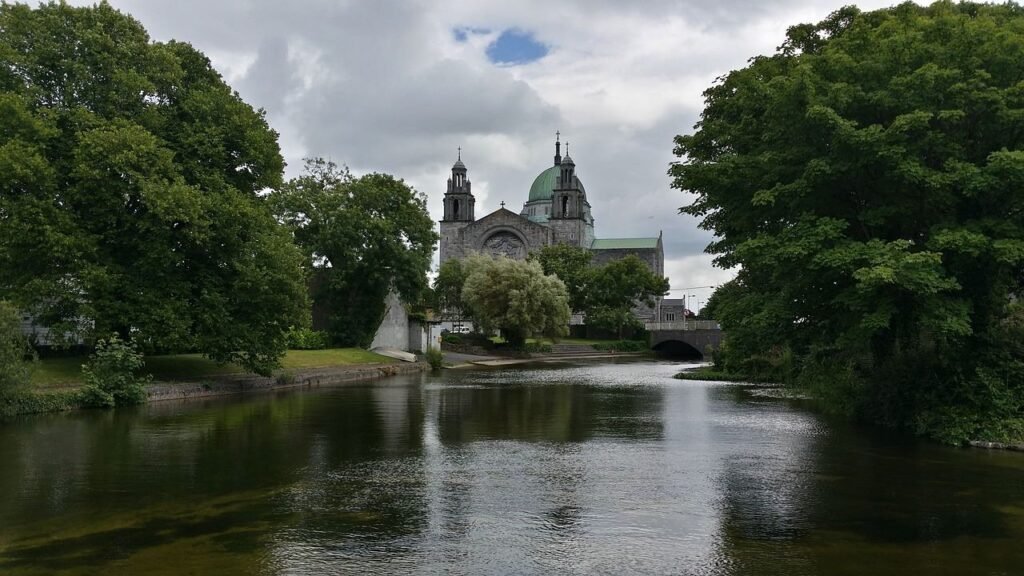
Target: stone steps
[(571, 349)]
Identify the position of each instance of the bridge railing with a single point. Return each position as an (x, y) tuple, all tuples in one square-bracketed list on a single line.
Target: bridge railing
[(683, 325)]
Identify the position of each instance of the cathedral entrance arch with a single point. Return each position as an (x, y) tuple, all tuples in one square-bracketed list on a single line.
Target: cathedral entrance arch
[(504, 242)]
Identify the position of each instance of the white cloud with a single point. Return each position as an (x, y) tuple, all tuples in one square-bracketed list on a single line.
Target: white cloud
[(385, 86)]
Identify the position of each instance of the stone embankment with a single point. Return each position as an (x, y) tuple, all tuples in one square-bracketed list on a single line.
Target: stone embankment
[(311, 378)]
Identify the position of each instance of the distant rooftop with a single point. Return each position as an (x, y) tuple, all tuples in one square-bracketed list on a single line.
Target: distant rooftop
[(623, 243)]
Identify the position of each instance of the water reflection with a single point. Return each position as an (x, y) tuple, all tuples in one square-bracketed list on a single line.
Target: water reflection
[(611, 468)]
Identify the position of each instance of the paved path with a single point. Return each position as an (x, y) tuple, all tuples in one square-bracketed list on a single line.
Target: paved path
[(457, 359)]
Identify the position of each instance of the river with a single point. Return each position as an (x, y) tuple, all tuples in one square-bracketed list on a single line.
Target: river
[(598, 468)]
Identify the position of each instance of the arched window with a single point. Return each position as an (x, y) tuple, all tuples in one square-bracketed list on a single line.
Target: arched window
[(455, 209)]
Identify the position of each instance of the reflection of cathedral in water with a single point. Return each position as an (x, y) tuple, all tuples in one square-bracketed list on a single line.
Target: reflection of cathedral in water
[(556, 211)]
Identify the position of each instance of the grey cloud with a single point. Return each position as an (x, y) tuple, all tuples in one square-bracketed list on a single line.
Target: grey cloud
[(382, 86)]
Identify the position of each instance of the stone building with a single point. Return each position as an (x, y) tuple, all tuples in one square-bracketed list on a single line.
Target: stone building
[(556, 211)]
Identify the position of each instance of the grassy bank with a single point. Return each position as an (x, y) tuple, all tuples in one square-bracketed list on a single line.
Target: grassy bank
[(56, 382), (60, 373)]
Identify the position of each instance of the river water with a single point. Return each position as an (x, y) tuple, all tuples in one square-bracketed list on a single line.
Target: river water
[(612, 468)]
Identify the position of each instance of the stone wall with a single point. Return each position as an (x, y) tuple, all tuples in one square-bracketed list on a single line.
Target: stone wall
[(651, 256), (521, 236)]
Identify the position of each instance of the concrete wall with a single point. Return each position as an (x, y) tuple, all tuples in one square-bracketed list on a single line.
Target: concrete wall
[(393, 331), (419, 336)]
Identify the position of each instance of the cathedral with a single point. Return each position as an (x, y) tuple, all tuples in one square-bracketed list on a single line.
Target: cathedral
[(555, 212)]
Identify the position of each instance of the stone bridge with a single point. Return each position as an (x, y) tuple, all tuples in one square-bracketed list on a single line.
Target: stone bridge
[(690, 339)]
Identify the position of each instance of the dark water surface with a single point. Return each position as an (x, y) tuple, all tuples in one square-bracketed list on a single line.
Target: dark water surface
[(586, 469)]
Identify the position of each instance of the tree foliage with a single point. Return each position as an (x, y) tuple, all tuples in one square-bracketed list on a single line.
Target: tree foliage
[(606, 294), (361, 237), (867, 181), (451, 277), (130, 176), (572, 265), (515, 297), (616, 288), (16, 355)]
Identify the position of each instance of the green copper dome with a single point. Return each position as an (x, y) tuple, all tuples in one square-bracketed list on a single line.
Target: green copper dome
[(544, 185)]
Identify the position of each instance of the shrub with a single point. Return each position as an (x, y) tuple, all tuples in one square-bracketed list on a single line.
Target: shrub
[(622, 346), (111, 375), (435, 358), (307, 339), (285, 378), (537, 348), (451, 338), (16, 355)]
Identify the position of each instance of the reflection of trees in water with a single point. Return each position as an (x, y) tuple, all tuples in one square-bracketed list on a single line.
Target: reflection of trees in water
[(795, 503), (551, 412), (337, 462), (884, 489)]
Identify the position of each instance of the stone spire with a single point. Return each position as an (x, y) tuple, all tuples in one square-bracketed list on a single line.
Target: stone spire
[(558, 149)]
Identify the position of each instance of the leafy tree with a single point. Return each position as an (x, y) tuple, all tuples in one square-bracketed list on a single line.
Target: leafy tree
[(515, 297), (615, 289), (572, 266), (130, 180), (362, 237), (451, 277), (866, 179)]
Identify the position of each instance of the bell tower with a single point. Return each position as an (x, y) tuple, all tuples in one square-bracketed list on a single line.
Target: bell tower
[(459, 210), (569, 208)]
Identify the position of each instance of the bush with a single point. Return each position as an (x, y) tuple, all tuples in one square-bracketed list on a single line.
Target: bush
[(622, 346), (537, 348), (307, 339), (16, 355), (435, 358), (451, 338), (111, 375)]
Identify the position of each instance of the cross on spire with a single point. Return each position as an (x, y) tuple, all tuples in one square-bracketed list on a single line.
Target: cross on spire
[(460, 152), (557, 134), (502, 203)]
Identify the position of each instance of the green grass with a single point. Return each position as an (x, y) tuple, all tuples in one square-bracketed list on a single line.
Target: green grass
[(55, 373)]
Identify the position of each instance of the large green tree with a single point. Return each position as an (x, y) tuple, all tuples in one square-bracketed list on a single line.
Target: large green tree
[(515, 297), (362, 237), (572, 266), (616, 288), (130, 181), (867, 180), (451, 278)]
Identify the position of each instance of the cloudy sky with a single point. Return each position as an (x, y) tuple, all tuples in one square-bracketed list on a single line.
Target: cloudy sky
[(397, 86)]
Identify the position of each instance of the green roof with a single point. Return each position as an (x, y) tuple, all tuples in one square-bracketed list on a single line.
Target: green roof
[(544, 185), (623, 243)]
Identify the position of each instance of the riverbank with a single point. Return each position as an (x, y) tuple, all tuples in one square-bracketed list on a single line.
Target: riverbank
[(68, 397), (470, 361), (709, 374)]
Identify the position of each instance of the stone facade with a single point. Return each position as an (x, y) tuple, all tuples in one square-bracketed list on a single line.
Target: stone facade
[(556, 212)]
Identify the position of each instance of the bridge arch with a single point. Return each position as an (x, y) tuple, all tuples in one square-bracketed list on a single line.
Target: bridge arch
[(677, 349)]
